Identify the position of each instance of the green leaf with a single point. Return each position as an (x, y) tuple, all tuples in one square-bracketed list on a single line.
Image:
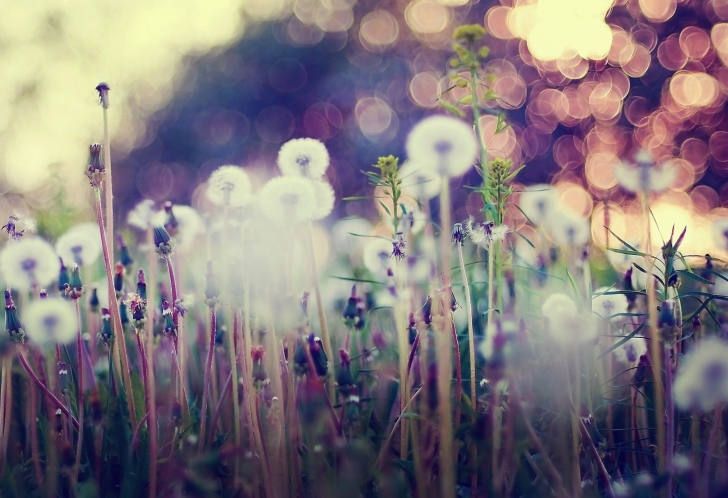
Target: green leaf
[(451, 108), (622, 341), (694, 276), (526, 239), (385, 208), (363, 280)]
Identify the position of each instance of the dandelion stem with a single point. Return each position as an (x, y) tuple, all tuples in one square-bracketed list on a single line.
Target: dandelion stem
[(46, 391), (115, 316), (79, 395), (34, 435), (218, 408), (708, 461), (670, 409), (149, 350), (109, 190), (208, 370), (385, 446)]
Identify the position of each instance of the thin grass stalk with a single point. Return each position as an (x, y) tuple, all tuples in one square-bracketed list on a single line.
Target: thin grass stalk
[(606, 480), (79, 394), (670, 413), (34, 448), (151, 387), (218, 408), (708, 461), (122, 356), (495, 428), (108, 190), (388, 441), (4, 421), (404, 362), (8, 410), (444, 402), (46, 391), (208, 371)]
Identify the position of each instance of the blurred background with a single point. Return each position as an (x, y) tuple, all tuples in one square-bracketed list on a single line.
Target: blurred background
[(194, 85)]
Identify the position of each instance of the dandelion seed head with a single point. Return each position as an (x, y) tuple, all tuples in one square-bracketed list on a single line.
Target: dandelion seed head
[(51, 320), (442, 145), (325, 199), (645, 176), (565, 323), (607, 305), (420, 183), (538, 202), (303, 157), (702, 381), (229, 186), (569, 230), (376, 255), (287, 199), (81, 245), (630, 352), (28, 263), (141, 216)]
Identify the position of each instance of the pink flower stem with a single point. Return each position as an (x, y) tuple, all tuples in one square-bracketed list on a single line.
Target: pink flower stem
[(218, 408), (80, 408), (34, 436), (707, 463)]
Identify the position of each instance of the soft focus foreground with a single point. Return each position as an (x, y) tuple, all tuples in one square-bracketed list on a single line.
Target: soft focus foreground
[(255, 346)]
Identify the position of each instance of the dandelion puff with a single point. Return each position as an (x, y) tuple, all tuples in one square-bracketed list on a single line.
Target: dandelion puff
[(538, 202), (288, 200), (325, 199), (51, 320), (443, 145), (645, 176), (631, 351), (607, 305), (376, 253), (229, 186), (141, 216), (566, 324), (303, 157), (189, 224), (418, 182), (569, 230), (28, 264), (81, 245), (702, 381), (720, 234), (484, 234)]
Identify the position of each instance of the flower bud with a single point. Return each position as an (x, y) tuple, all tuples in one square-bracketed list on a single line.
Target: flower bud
[(96, 170)]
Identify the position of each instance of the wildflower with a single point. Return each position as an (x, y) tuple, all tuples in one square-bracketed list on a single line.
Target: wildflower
[(260, 377), (185, 228), (376, 254), (442, 145), (138, 307), (28, 264), (418, 182), (288, 200), (325, 199), (318, 355), (141, 287), (118, 279), (106, 333), (304, 157), (569, 230), (702, 381), (15, 221), (229, 186), (344, 378), (124, 255), (667, 322), (103, 89), (12, 322), (141, 216), (51, 320), (170, 328), (80, 245), (350, 313), (74, 288), (458, 234), (485, 233), (398, 245), (94, 304), (538, 202), (96, 170), (645, 177), (162, 242), (631, 351), (565, 321), (607, 304)]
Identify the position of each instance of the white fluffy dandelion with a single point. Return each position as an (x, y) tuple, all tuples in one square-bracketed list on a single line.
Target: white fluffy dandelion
[(306, 157), (630, 352), (141, 216), (645, 176), (288, 200), (538, 202), (229, 186), (81, 245), (565, 322), (702, 381), (569, 230), (418, 182), (29, 263), (189, 224), (50, 320), (442, 145), (376, 254), (484, 234), (325, 199), (607, 305)]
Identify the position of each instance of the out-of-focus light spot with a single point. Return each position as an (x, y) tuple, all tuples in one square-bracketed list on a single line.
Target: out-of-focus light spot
[(636, 110), (274, 124), (453, 3), (424, 89), (696, 152), (427, 16), (375, 119), (640, 62), (610, 215), (265, 9), (658, 10), (557, 29), (569, 152), (301, 33), (287, 75), (498, 144), (685, 177), (334, 20), (704, 199), (574, 68), (719, 37), (496, 21), (510, 90), (693, 89), (670, 55), (218, 126), (622, 48), (694, 42), (574, 198), (604, 103), (599, 170), (720, 7), (378, 30)]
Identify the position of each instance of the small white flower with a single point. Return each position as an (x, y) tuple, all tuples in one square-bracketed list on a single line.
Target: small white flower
[(229, 186), (51, 320), (288, 200), (566, 324), (306, 157), (538, 202), (189, 225), (702, 381), (418, 182), (81, 245), (376, 254), (645, 176), (608, 305), (141, 216), (569, 230), (484, 234), (29, 263), (443, 145), (325, 199)]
